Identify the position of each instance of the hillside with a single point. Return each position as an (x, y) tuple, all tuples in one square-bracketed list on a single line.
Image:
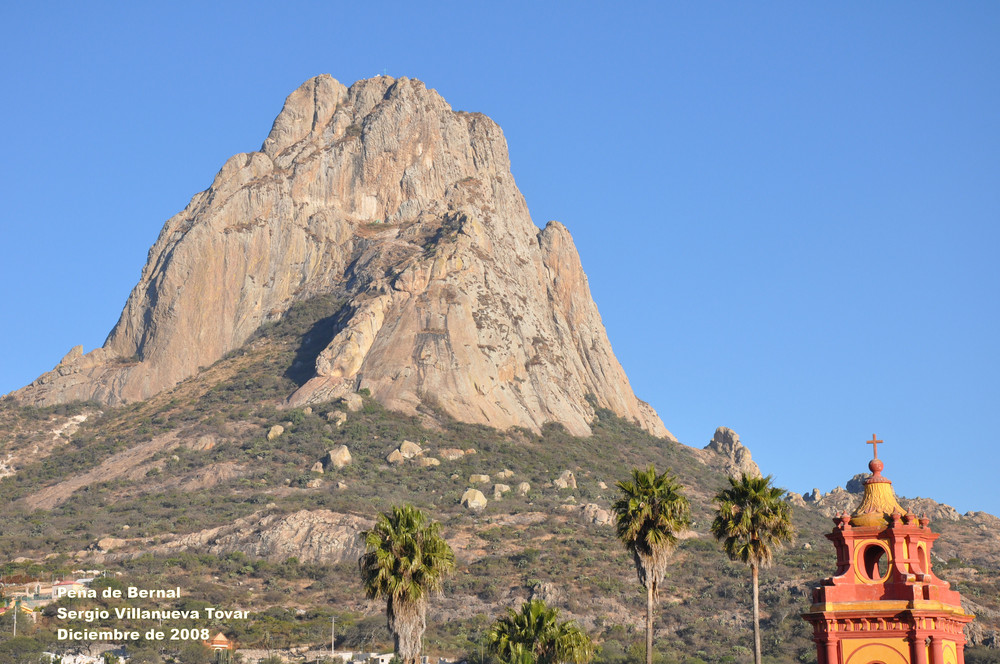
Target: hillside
[(139, 489)]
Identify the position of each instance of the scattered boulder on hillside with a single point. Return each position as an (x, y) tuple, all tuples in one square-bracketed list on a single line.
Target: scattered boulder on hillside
[(314, 483), (317, 467), (523, 488), (109, 543), (202, 443), (597, 515), (336, 417), (395, 457), (275, 432), (545, 591), (499, 490), (567, 480), (338, 457), (426, 462), (410, 449), (474, 499), (451, 454), (505, 473), (734, 456), (479, 479), (470, 451), (602, 486), (353, 402)]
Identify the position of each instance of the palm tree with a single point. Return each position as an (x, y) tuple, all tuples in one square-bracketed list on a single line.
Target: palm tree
[(751, 522), (405, 560), (534, 635), (651, 511)]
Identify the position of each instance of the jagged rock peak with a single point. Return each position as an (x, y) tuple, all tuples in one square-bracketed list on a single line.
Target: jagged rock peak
[(737, 460), (406, 210)]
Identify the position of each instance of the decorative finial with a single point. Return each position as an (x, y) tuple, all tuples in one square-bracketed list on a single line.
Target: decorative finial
[(875, 465)]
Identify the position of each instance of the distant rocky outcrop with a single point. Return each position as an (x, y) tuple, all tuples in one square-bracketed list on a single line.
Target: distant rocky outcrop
[(841, 499), (407, 210), (312, 536), (725, 450)]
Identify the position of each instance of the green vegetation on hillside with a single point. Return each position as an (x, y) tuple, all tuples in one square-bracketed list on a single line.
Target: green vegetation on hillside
[(218, 465)]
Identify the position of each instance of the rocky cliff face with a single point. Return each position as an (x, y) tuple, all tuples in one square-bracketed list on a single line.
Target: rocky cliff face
[(384, 194)]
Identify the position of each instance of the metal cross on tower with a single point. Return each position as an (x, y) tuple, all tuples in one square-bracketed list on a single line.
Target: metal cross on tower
[(874, 443)]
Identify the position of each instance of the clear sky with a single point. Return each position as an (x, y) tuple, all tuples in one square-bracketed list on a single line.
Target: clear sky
[(788, 212)]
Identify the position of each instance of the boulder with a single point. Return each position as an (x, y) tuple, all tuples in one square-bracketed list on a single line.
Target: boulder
[(109, 543), (336, 417), (338, 457), (499, 490), (410, 449), (545, 591), (479, 479), (474, 499), (275, 431), (597, 515), (202, 444), (317, 467), (395, 457), (314, 483), (470, 451), (353, 402), (523, 488), (505, 473), (451, 454), (425, 462), (567, 480)]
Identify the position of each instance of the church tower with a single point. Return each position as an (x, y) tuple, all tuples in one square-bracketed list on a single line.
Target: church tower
[(884, 605)]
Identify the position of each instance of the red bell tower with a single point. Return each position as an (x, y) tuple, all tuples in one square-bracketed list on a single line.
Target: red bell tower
[(884, 605)]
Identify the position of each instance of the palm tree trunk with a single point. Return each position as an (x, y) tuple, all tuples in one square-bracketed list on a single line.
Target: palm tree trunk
[(649, 622), (756, 617)]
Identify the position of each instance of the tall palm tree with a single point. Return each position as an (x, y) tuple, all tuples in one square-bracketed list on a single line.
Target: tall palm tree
[(752, 521), (651, 511), (534, 635), (405, 560)]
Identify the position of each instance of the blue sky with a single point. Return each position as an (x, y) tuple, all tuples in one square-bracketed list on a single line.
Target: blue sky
[(788, 212)]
